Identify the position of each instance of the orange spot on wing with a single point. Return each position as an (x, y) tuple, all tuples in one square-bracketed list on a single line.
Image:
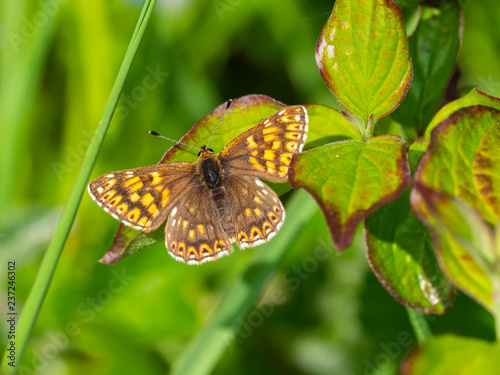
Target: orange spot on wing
[(255, 163), (107, 196), (113, 202), (133, 215), (147, 199), (164, 197), (205, 250), (269, 154), (271, 167), (293, 135), (286, 158), (130, 182), (272, 129), (153, 210), (122, 208), (294, 127), (270, 137), (136, 186), (251, 143), (156, 179), (291, 146)]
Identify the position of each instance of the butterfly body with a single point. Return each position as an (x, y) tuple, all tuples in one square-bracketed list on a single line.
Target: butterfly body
[(216, 201), (209, 168)]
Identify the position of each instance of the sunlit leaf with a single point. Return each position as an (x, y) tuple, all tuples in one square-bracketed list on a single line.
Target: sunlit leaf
[(362, 54), (463, 241), (462, 164), (463, 159), (448, 354), (352, 178), (327, 125), (474, 97), (400, 253)]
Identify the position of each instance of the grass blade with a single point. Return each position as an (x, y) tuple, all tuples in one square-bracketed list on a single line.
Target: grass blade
[(205, 349), (49, 262)]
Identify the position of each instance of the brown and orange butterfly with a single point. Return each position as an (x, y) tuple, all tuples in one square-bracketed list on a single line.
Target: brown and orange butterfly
[(218, 200)]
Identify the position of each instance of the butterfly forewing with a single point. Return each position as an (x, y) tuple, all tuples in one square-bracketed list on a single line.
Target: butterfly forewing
[(143, 197), (257, 213), (194, 233), (266, 150)]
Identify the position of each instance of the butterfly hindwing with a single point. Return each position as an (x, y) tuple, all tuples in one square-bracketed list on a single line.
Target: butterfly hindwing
[(142, 197), (256, 211), (194, 233), (266, 150)]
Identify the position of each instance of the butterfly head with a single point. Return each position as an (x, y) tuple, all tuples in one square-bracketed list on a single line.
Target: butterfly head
[(205, 153)]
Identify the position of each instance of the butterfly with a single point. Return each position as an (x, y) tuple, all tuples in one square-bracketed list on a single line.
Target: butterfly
[(216, 201)]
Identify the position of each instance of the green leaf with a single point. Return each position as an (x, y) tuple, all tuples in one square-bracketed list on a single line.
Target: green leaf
[(128, 241), (448, 354), (327, 125), (433, 49), (401, 255), (463, 159), (351, 179), (362, 54), (244, 113), (474, 97), (463, 241), (462, 162)]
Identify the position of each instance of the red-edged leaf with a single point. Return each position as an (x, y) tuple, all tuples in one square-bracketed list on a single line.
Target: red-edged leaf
[(350, 179), (401, 255), (362, 54)]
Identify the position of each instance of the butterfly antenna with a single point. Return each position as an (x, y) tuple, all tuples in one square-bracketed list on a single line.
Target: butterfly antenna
[(152, 132), (227, 107)]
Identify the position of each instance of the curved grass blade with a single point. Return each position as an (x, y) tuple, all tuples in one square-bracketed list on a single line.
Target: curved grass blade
[(49, 262)]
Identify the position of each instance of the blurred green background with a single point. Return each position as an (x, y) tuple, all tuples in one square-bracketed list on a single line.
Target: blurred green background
[(59, 59)]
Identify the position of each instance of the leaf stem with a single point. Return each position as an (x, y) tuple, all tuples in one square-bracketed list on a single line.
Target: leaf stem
[(369, 129), (47, 268), (419, 324)]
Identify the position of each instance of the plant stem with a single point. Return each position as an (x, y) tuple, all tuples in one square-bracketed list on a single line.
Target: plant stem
[(419, 324), (49, 262)]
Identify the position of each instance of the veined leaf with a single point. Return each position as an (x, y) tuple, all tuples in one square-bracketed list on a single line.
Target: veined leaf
[(401, 255), (350, 179), (474, 97), (362, 54)]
